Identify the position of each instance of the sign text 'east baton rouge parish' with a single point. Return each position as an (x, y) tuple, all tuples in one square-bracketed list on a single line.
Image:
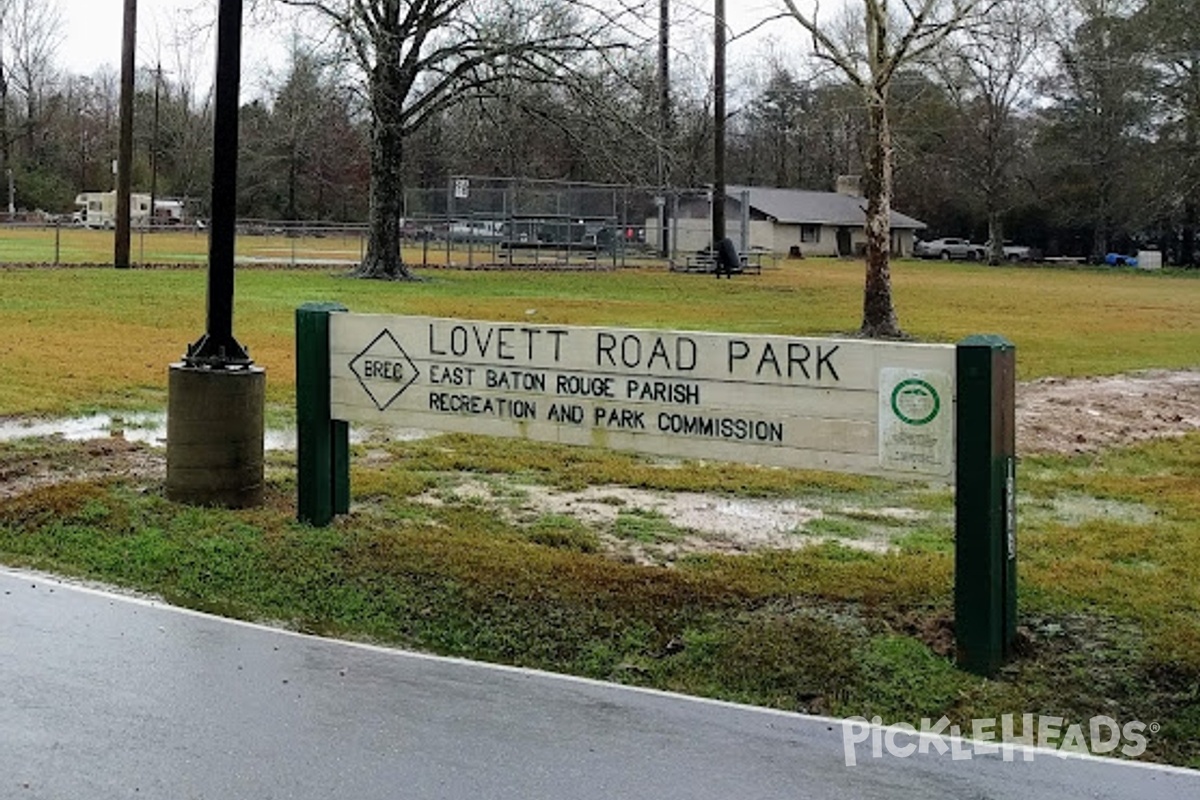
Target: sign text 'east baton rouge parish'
[(841, 404)]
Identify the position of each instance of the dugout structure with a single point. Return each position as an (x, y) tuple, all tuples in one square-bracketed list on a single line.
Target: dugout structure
[(520, 223)]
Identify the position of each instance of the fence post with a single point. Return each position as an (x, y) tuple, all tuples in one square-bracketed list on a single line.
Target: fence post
[(985, 528), (323, 444)]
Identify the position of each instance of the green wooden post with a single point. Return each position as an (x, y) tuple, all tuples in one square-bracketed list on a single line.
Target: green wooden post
[(985, 528), (323, 444)]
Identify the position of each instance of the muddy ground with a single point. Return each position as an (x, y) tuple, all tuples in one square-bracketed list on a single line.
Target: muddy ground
[(1054, 415), (1080, 415)]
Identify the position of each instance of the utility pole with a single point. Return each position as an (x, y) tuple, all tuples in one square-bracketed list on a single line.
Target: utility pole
[(154, 148), (664, 121), (125, 148), (4, 149), (718, 202)]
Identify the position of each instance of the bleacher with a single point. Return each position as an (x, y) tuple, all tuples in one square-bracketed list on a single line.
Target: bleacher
[(705, 261)]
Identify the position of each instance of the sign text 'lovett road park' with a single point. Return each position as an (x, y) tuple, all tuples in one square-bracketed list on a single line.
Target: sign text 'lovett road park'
[(840, 404)]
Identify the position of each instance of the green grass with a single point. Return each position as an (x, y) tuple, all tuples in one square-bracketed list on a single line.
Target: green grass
[(76, 246), (1110, 608), (80, 339), (838, 527), (563, 532), (645, 527), (1109, 543)]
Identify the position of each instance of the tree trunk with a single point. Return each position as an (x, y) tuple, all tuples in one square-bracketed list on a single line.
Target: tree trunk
[(879, 314), (291, 181), (1100, 241), (995, 185), (1187, 253), (1187, 250), (996, 237), (383, 258), (4, 117)]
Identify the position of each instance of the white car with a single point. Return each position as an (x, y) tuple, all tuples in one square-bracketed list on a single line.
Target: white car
[(949, 248)]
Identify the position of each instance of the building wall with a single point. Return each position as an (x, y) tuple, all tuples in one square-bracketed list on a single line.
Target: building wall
[(789, 236), (696, 234), (826, 243)]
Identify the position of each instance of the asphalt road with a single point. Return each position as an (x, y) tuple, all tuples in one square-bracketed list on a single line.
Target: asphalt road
[(105, 697)]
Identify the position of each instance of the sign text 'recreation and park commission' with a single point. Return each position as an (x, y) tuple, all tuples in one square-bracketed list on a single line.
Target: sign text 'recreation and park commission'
[(768, 399)]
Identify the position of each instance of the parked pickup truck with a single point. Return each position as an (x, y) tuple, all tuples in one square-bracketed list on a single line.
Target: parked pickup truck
[(1012, 252), (949, 248)]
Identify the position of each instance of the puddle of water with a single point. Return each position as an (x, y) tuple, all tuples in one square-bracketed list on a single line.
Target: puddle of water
[(1075, 509), (147, 428), (151, 428), (1079, 509)]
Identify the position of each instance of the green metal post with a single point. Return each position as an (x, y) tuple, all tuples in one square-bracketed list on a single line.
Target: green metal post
[(323, 445), (985, 560), (340, 459)]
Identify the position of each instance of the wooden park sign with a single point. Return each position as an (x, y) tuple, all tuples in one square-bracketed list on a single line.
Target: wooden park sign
[(847, 405)]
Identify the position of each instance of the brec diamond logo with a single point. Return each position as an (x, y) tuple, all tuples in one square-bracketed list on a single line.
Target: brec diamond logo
[(384, 370)]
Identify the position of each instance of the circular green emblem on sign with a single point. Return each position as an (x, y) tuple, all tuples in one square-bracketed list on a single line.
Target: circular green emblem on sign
[(916, 402)]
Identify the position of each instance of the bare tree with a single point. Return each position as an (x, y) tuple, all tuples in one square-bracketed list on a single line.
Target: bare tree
[(31, 35), (1098, 125), (990, 72), (603, 123), (32, 32), (1172, 30), (420, 57), (4, 135), (186, 135), (887, 39), (302, 151)]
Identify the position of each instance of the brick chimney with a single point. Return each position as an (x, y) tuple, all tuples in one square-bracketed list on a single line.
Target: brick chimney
[(850, 185)]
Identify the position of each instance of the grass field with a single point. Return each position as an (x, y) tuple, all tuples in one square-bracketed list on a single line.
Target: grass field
[(76, 339), (77, 246), (1109, 543), (69, 246)]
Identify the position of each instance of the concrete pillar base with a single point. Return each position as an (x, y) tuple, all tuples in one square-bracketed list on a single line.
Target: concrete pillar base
[(215, 436)]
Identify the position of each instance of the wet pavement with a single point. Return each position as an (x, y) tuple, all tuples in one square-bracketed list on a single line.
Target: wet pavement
[(105, 696)]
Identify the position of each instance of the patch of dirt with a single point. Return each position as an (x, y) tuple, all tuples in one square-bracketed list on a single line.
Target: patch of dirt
[(758, 523), (97, 459), (689, 522), (1084, 415)]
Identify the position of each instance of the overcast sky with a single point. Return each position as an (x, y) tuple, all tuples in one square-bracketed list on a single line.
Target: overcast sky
[(92, 34), (93, 30)]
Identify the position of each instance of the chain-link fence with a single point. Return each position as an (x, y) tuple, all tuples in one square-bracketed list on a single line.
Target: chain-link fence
[(515, 223), (472, 222)]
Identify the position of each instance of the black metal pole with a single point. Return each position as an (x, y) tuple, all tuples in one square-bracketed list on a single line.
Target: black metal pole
[(218, 348)]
